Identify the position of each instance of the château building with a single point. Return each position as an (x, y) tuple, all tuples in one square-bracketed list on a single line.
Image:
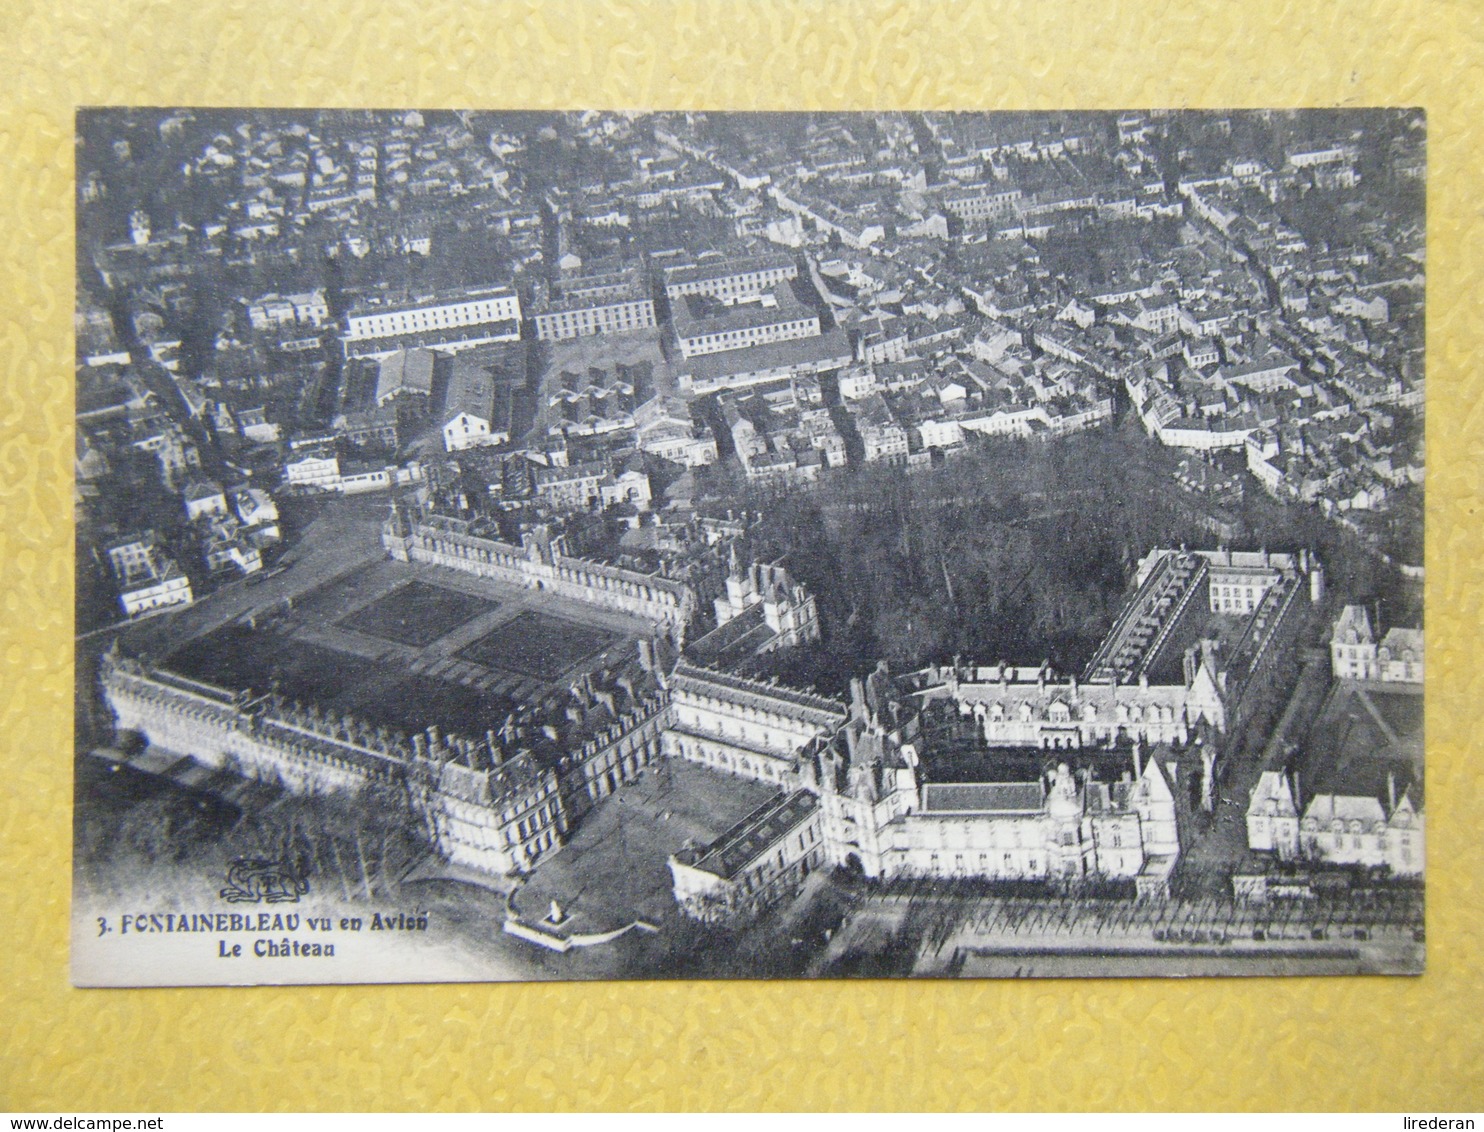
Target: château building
[(487, 803), (750, 728), (879, 812), (762, 610), (539, 563), (758, 861), (1032, 707), (486, 807), (1221, 623), (1072, 781), (1355, 654), (1364, 828)]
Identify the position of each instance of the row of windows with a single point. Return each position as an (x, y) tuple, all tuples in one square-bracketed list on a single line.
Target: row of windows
[(762, 870), (703, 715), (174, 592), (1240, 591), (1317, 843), (1059, 712), (754, 768), (975, 209), (462, 315), (537, 820), (635, 317), (763, 874), (586, 315), (1032, 865), (540, 845), (741, 284), (732, 339), (752, 331), (993, 834)]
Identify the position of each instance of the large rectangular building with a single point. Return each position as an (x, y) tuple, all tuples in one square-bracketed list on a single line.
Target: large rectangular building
[(757, 862), (611, 303), (705, 326), (453, 321), (744, 727), (729, 280), (981, 202), (770, 361), (1065, 825)]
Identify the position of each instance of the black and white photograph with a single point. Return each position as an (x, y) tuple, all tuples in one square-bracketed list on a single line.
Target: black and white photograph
[(595, 545)]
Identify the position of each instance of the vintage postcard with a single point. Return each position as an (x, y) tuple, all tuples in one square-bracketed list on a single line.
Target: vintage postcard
[(592, 545)]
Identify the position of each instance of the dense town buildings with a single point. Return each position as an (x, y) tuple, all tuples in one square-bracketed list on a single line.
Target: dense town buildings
[(833, 253)]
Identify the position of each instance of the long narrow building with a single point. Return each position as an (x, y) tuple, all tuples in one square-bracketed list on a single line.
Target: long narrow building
[(730, 280), (745, 727), (451, 321), (458, 544)]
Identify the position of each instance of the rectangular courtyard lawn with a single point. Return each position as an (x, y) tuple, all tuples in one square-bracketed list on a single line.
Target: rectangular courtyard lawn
[(236, 657), (417, 614), (538, 645)]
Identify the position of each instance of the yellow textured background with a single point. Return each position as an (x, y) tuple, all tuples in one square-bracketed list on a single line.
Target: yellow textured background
[(1232, 1044)]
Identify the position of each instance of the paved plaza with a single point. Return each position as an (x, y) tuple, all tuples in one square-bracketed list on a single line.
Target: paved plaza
[(614, 869)]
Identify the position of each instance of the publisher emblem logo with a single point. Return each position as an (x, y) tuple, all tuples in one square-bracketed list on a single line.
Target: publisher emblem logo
[(255, 880)]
